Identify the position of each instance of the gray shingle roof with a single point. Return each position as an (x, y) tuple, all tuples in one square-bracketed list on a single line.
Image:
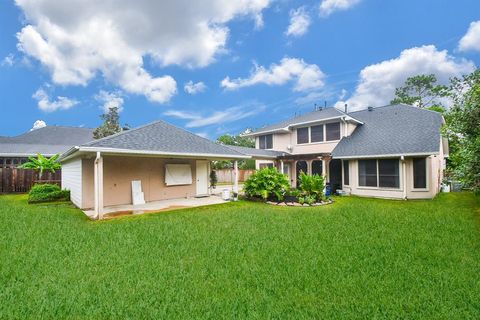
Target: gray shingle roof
[(25, 149), (307, 117), (58, 135), (165, 138), (257, 153), (392, 130), (49, 140)]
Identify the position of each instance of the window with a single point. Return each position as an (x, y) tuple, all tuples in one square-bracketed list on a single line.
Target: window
[(420, 173), (316, 133), (333, 131), (265, 165), (266, 141), (302, 135), (383, 173), (367, 173), (388, 173), (317, 167), (346, 173)]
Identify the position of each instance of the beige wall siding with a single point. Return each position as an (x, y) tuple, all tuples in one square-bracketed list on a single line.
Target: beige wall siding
[(434, 171), (72, 180), (119, 172)]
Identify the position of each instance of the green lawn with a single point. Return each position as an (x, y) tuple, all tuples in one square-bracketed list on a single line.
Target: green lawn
[(358, 258)]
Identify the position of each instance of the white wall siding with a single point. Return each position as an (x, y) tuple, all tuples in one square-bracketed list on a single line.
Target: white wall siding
[(72, 180)]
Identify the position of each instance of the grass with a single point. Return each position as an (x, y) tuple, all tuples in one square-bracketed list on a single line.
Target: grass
[(359, 258)]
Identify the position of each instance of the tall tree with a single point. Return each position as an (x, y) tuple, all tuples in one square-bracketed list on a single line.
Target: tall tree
[(110, 125), (463, 127), (421, 91)]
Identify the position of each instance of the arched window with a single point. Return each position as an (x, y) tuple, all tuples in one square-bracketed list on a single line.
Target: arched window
[(301, 167), (317, 166)]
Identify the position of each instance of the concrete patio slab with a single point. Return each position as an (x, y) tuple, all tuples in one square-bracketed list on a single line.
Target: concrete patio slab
[(156, 206)]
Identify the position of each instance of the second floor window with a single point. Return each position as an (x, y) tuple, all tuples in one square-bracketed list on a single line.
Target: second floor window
[(316, 133), (333, 131), (266, 141), (302, 135)]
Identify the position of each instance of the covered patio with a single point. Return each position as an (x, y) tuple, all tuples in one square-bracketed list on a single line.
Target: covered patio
[(155, 206)]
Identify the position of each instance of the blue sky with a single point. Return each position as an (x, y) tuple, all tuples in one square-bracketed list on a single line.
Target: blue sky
[(63, 62)]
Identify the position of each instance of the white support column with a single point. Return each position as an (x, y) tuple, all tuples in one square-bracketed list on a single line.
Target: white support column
[(404, 177), (235, 181), (281, 166), (98, 186)]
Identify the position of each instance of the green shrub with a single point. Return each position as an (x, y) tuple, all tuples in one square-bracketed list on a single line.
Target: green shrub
[(311, 187), (46, 193), (267, 183)]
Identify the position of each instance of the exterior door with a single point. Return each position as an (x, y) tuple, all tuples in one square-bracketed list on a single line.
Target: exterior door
[(202, 177), (335, 172)]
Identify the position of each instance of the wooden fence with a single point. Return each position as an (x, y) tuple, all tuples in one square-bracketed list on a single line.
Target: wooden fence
[(14, 180), (226, 175)]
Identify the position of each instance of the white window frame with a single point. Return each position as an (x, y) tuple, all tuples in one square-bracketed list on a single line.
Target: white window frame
[(309, 128), (343, 173), (427, 177), (400, 175), (264, 135)]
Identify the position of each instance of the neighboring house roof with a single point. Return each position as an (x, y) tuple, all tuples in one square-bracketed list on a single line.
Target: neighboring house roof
[(319, 115), (392, 130), (158, 138), (258, 153), (48, 140)]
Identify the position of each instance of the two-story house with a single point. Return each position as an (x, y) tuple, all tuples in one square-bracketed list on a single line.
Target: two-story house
[(394, 151)]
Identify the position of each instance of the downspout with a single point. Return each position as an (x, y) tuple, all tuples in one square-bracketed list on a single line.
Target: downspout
[(97, 186), (404, 174), (344, 126)]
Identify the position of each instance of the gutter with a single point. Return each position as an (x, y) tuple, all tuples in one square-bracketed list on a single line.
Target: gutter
[(67, 154), (386, 155), (287, 128)]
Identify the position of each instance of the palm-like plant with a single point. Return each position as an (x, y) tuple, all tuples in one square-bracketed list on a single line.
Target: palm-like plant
[(42, 164)]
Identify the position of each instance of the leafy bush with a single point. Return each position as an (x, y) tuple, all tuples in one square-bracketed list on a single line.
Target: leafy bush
[(311, 187), (213, 179), (267, 183), (46, 193)]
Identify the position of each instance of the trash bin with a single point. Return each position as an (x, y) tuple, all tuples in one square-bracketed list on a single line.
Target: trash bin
[(328, 190), (226, 194)]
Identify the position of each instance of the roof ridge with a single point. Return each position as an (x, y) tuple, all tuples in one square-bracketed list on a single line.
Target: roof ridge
[(121, 133)]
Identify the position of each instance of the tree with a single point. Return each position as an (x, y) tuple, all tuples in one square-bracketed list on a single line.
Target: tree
[(421, 91), (236, 140), (110, 125), (42, 164), (463, 126)]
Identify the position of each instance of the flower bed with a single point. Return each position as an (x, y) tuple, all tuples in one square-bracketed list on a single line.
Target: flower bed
[(298, 204)]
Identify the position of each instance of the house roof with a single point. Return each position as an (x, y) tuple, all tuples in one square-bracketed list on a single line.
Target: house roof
[(48, 140), (258, 153), (319, 115), (392, 130), (159, 138)]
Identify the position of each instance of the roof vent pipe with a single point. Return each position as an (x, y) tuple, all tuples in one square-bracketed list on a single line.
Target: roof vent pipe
[(370, 108), (346, 108)]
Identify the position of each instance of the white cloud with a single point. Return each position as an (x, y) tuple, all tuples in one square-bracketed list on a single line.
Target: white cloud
[(110, 100), (305, 76), (327, 7), (38, 124), (471, 40), (378, 81), (47, 105), (8, 61), (194, 88), (76, 40), (231, 114), (202, 134), (299, 22)]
